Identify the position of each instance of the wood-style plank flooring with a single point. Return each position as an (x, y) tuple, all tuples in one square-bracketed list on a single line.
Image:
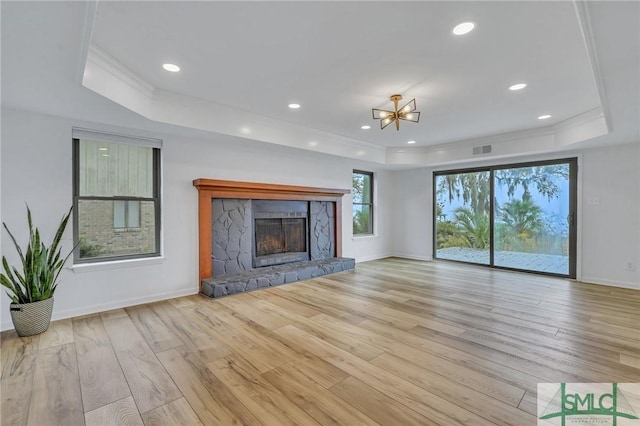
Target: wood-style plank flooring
[(395, 342)]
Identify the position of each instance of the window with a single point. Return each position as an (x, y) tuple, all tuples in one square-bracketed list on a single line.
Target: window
[(126, 214), (362, 193), (116, 196)]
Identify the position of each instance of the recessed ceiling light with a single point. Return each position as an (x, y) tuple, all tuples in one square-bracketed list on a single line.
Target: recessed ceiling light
[(365, 127), (544, 117), (171, 67), (463, 28), (411, 142), (518, 86), (102, 149), (294, 106), (105, 155)]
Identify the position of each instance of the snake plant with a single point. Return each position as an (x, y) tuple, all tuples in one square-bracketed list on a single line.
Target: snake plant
[(41, 265)]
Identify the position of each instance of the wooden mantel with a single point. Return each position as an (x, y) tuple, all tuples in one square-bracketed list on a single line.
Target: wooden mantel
[(209, 189)]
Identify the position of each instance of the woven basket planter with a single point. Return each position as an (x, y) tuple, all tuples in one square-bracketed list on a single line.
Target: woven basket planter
[(31, 318)]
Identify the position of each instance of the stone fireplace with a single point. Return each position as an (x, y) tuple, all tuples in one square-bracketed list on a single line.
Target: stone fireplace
[(249, 234), (258, 235)]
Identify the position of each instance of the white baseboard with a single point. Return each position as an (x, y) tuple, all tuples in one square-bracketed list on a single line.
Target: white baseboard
[(86, 310), (374, 257), (402, 255), (413, 257), (601, 281)]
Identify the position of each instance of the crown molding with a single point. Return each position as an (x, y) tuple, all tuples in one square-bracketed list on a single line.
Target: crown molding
[(90, 14), (99, 58), (585, 118), (558, 137), (490, 139), (586, 30)]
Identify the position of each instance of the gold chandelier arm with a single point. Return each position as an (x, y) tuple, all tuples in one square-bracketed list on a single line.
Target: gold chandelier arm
[(386, 121), (381, 113), (414, 116), (408, 107)]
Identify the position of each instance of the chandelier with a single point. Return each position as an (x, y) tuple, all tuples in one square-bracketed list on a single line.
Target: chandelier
[(407, 112)]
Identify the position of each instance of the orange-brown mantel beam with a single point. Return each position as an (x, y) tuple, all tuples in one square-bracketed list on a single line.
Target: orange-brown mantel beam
[(209, 189)]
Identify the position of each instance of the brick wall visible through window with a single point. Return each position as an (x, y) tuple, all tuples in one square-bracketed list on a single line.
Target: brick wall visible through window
[(116, 197)]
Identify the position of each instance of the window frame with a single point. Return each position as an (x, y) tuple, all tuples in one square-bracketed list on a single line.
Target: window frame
[(155, 198), (370, 204)]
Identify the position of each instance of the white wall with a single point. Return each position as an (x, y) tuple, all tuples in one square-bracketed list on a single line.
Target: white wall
[(610, 229), (608, 234), (36, 168), (413, 227)]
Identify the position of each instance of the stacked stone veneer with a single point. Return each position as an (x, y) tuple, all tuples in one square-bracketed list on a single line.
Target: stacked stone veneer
[(231, 236), (322, 230), (232, 241)]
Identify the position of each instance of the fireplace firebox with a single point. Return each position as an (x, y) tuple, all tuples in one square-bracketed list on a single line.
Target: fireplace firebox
[(275, 236), (281, 232)]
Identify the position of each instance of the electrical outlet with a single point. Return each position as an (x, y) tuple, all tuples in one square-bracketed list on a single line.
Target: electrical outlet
[(631, 266), (594, 201)]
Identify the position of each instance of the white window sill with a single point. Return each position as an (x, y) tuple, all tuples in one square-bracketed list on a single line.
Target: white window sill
[(363, 237), (116, 264)]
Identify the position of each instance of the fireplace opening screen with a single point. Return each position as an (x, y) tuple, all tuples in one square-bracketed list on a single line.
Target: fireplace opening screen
[(286, 235)]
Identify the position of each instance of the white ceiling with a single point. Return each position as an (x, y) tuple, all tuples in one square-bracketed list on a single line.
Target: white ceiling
[(243, 62)]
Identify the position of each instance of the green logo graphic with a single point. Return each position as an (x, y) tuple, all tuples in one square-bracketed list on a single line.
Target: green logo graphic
[(614, 405)]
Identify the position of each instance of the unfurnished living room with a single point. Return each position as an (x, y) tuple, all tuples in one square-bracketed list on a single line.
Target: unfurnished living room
[(320, 212)]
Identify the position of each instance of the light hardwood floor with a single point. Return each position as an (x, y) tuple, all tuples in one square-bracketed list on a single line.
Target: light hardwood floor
[(395, 342)]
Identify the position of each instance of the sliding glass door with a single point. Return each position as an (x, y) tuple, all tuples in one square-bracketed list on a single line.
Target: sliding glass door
[(463, 209), (518, 216)]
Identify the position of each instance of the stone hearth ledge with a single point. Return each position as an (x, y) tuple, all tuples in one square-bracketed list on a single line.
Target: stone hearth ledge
[(270, 276)]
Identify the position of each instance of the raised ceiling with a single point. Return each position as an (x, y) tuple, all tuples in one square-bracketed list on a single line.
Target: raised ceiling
[(243, 62)]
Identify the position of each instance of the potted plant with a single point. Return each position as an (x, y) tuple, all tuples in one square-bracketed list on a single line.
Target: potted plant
[(31, 290)]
